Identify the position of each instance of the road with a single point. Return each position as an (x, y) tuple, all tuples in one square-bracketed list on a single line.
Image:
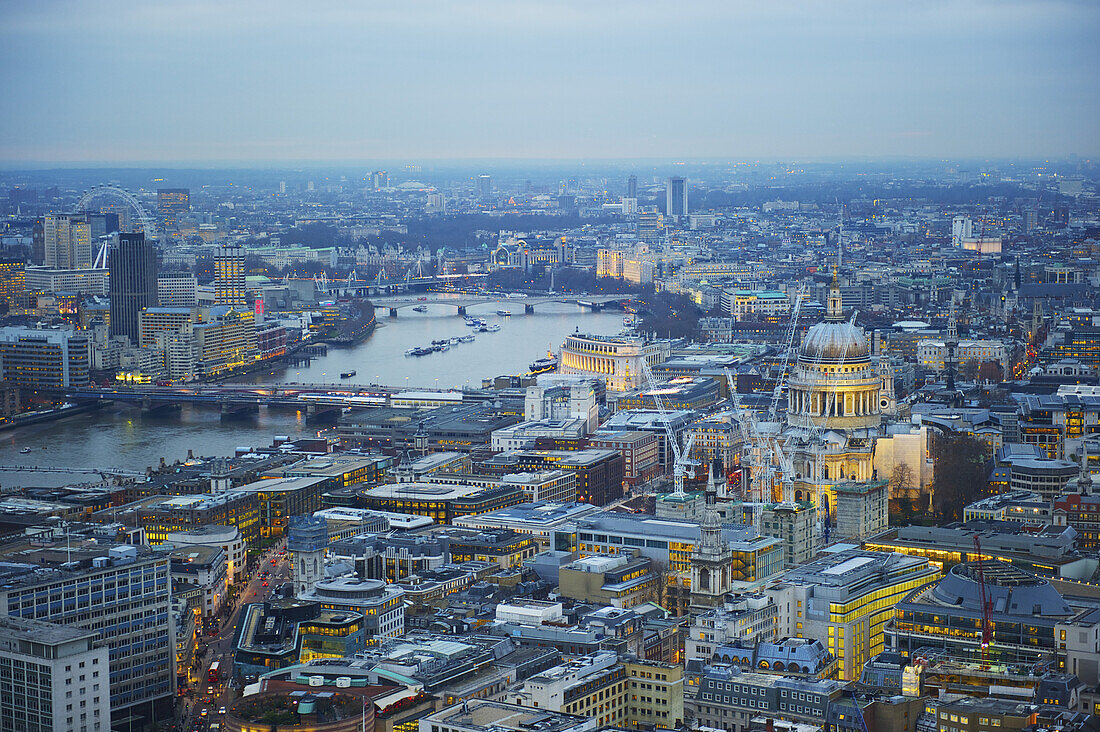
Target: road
[(220, 647)]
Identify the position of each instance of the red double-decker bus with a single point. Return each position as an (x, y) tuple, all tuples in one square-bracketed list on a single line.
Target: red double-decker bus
[(214, 675)]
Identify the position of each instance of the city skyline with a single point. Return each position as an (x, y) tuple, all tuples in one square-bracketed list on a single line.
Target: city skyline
[(205, 83)]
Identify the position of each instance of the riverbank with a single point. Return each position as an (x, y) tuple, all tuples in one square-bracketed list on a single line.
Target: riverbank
[(48, 415)]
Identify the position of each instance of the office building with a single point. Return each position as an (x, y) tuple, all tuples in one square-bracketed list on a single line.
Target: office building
[(847, 598), (615, 360), (46, 681), (669, 543), (44, 358), (173, 204), (380, 179), (1025, 612), (177, 290), (13, 278), (381, 604), (226, 538), (540, 520), (619, 580), (676, 197), (120, 591), (202, 570), (630, 693), (794, 524), (53, 279), (68, 241), (484, 188), (225, 341), (632, 186), (598, 473), (284, 632), (725, 697), (162, 516), (962, 227), (485, 715), (442, 503), (229, 278), (133, 282)]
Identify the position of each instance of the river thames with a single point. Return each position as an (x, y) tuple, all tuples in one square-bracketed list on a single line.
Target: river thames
[(122, 437)]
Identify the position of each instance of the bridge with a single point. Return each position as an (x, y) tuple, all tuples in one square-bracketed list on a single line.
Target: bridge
[(461, 302), (321, 402), (103, 472)]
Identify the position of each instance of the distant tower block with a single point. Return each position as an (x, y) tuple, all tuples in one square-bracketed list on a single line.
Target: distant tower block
[(307, 539)]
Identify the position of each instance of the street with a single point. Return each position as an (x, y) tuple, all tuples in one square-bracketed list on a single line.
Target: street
[(220, 647)]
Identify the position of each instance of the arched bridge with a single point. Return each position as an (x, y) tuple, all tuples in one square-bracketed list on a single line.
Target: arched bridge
[(529, 302)]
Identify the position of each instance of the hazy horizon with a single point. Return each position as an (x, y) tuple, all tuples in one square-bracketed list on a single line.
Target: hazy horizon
[(112, 83)]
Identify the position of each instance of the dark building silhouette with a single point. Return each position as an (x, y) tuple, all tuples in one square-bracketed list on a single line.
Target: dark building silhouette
[(632, 186), (133, 283)]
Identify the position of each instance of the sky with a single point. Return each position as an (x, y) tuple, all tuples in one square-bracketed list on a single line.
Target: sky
[(240, 81)]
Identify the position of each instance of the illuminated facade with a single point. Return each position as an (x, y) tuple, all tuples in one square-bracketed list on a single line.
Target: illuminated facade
[(847, 598), (227, 341), (13, 278), (617, 361), (834, 409), (229, 281)]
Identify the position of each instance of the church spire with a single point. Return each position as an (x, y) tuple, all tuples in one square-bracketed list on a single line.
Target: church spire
[(834, 307)]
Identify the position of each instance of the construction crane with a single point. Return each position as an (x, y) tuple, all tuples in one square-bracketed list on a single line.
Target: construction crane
[(781, 379), (680, 460), (987, 625)]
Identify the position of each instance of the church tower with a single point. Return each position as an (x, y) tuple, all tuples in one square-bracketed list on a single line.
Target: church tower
[(712, 560)]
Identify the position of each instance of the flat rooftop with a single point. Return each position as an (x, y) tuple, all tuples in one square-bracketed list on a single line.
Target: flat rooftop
[(40, 631)]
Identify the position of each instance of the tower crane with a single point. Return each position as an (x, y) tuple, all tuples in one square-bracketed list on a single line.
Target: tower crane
[(781, 379), (680, 460), (987, 624)]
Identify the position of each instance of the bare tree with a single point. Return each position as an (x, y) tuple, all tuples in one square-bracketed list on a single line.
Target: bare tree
[(901, 480)]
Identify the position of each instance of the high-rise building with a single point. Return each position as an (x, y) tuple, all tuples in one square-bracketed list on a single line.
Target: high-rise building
[(133, 282), (229, 286), (172, 205), (13, 278), (484, 188), (676, 197), (380, 179), (44, 359), (961, 228), (650, 223), (46, 677), (177, 289), (68, 241), (436, 204), (123, 593), (632, 186)]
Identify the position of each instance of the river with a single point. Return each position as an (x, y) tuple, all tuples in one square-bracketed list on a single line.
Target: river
[(122, 437)]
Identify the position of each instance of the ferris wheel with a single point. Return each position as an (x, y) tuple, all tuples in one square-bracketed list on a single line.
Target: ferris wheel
[(148, 223)]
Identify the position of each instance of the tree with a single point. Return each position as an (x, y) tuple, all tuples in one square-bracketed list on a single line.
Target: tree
[(990, 371), (969, 370), (901, 479), (959, 474)]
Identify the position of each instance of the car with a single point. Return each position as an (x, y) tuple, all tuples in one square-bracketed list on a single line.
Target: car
[(272, 562), (204, 712), (221, 711), (265, 583)]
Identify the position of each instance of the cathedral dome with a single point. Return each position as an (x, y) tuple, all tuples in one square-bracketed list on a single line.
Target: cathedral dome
[(832, 341)]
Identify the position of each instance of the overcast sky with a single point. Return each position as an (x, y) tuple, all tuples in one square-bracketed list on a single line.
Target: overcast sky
[(254, 81)]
